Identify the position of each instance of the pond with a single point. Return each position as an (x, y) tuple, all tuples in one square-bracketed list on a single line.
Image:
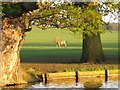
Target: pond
[(109, 84), (84, 83)]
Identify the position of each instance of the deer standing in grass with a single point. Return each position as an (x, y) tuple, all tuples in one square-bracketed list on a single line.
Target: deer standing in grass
[(60, 42)]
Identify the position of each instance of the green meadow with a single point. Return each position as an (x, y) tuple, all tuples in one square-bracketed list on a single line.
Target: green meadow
[(40, 48)]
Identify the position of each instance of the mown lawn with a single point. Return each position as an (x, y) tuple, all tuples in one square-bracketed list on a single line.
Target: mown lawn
[(40, 48)]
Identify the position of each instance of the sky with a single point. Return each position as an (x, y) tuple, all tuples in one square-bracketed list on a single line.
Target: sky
[(112, 18)]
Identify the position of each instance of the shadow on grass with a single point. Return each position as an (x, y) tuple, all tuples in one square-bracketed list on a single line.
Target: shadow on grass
[(50, 44), (48, 53), (54, 55), (71, 44), (110, 45)]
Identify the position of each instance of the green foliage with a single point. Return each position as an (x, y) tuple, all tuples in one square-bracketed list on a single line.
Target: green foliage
[(32, 71), (79, 20), (113, 5), (91, 68), (28, 6), (17, 9), (66, 70), (1, 14), (86, 20), (13, 10)]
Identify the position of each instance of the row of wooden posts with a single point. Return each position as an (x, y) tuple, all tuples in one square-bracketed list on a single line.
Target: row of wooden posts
[(45, 77)]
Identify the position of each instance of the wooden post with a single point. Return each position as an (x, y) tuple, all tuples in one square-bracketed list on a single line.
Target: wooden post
[(40, 77), (106, 75), (45, 75), (76, 76)]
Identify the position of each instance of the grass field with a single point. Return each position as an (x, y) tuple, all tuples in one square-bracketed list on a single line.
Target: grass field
[(39, 46)]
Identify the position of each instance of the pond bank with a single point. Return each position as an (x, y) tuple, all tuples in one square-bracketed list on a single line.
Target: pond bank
[(60, 71), (79, 74), (54, 67), (84, 82)]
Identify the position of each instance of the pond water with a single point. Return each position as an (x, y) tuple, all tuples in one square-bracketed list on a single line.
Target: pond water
[(83, 83), (109, 84)]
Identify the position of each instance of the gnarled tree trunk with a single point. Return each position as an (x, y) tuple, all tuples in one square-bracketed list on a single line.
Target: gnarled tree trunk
[(92, 50), (12, 39)]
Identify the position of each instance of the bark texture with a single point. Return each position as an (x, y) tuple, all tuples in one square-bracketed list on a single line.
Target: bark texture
[(12, 39), (92, 50)]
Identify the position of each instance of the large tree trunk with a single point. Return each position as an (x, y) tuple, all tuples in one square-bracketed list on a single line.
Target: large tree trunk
[(12, 39), (92, 50), (13, 35)]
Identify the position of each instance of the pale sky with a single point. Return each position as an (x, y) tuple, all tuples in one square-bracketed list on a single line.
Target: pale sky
[(111, 18)]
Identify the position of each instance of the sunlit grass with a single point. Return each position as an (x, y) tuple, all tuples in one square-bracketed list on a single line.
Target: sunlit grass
[(39, 44)]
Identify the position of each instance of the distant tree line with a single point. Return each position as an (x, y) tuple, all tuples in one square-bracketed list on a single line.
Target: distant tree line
[(113, 26)]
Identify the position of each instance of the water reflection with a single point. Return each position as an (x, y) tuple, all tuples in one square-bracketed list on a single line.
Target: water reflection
[(84, 82), (110, 84), (98, 83), (86, 85), (82, 86), (79, 85), (17, 87)]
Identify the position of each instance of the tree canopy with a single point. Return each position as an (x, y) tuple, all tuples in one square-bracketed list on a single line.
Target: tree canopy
[(79, 17)]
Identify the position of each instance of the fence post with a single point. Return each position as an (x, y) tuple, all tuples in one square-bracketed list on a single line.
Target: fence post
[(76, 76), (106, 75), (45, 75)]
